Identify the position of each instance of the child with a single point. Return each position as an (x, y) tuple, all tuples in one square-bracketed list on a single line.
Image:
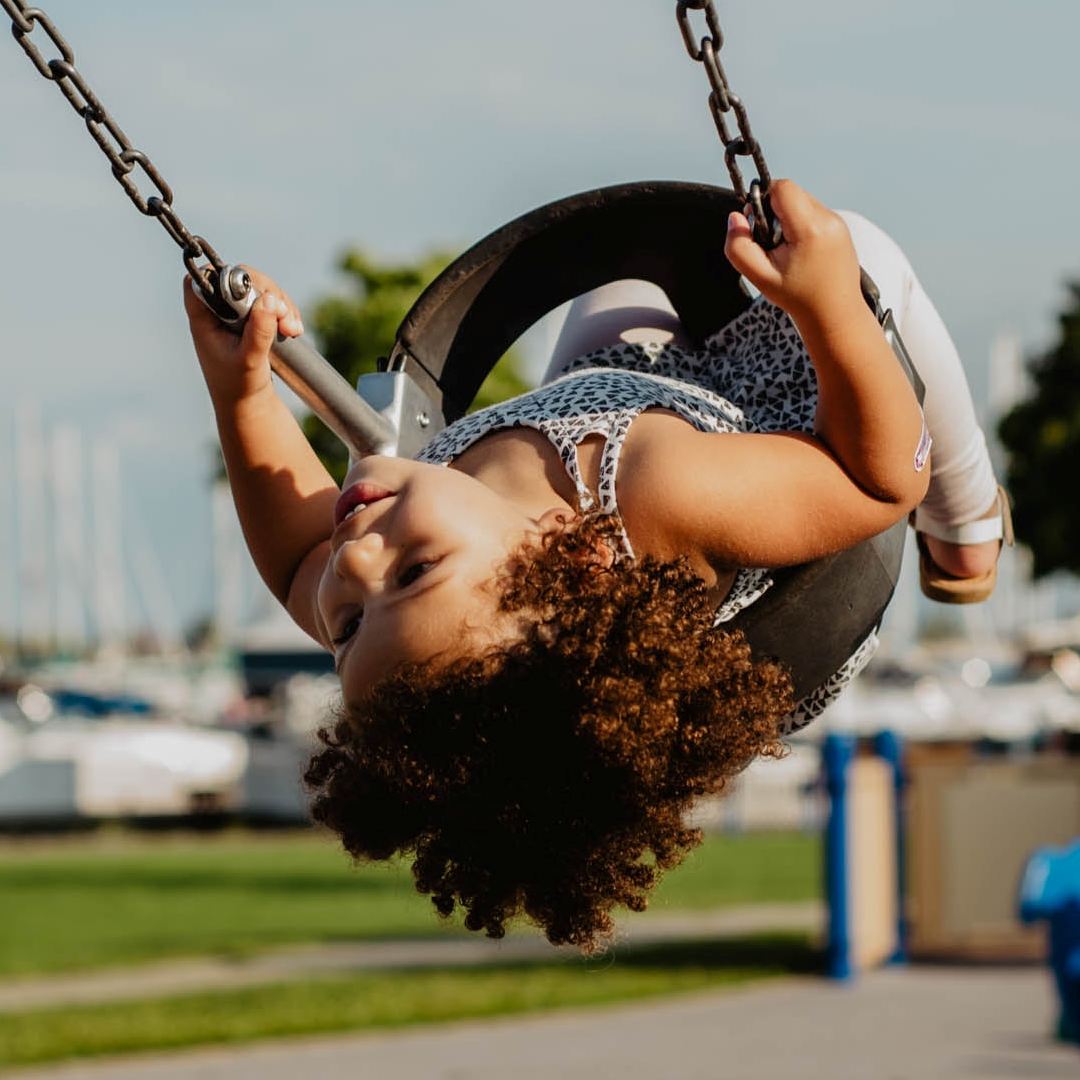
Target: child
[(526, 618)]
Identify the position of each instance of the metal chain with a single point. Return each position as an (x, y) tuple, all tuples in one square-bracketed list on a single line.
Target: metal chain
[(115, 145), (722, 100), (125, 159)]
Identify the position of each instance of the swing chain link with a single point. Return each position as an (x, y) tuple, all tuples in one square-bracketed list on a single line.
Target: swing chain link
[(723, 100), (124, 158)]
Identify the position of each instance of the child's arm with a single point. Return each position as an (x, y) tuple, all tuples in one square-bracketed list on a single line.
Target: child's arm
[(867, 412), (781, 499), (284, 496)]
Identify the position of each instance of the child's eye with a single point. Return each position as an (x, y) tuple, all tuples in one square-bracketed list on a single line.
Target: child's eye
[(417, 570), (348, 629)]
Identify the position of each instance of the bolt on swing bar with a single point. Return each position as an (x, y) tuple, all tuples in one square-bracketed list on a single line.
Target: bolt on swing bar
[(226, 290)]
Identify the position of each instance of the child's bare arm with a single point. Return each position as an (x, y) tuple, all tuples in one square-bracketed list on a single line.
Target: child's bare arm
[(779, 499), (284, 496), (746, 500), (867, 413)]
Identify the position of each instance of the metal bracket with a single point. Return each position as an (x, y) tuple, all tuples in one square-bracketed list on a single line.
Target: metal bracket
[(896, 343), (406, 409)]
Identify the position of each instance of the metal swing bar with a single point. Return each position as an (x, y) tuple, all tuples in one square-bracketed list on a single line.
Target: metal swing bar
[(396, 419)]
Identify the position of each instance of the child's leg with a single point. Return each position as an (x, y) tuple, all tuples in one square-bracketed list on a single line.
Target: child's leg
[(623, 312), (962, 484)]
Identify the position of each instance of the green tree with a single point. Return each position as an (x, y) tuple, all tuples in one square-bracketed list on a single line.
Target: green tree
[(355, 329), (1042, 438)]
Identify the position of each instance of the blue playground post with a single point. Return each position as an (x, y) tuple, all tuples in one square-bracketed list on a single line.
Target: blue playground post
[(1050, 889), (890, 747), (837, 753)]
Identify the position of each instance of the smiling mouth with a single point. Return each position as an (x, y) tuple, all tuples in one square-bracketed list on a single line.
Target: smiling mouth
[(357, 497)]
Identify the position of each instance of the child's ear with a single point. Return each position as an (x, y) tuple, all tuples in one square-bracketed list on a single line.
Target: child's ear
[(555, 520)]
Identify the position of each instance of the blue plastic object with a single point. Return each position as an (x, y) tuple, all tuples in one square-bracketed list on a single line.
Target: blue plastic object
[(1050, 890)]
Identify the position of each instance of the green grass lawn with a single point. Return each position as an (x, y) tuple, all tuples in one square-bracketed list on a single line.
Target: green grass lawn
[(120, 898), (394, 999)]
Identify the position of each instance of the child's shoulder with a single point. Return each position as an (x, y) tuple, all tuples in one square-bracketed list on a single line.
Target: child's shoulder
[(659, 445)]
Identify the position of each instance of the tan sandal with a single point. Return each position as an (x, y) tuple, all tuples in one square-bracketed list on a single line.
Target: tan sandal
[(943, 587)]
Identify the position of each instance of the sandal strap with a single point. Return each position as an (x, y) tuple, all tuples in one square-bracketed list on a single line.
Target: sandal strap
[(998, 527)]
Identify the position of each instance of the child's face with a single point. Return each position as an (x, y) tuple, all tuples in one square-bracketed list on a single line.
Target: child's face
[(407, 578)]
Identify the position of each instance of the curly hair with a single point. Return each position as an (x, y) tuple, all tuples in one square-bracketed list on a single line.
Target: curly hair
[(551, 776)]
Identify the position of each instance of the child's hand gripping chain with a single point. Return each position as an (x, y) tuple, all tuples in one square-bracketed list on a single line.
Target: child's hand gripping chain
[(814, 273), (237, 366)]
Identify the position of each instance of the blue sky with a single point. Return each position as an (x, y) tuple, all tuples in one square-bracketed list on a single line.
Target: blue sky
[(288, 132)]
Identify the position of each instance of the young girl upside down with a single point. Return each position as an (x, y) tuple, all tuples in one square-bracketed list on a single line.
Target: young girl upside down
[(528, 619)]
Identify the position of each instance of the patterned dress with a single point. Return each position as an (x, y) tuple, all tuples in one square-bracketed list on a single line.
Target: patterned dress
[(754, 375)]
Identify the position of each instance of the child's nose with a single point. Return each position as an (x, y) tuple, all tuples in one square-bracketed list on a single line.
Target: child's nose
[(362, 562)]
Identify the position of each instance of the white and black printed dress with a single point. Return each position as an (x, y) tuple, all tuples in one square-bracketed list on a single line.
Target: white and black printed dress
[(753, 376)]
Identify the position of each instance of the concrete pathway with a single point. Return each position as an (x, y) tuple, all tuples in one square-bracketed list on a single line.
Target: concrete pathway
[(307, 962), (898, 1024)]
